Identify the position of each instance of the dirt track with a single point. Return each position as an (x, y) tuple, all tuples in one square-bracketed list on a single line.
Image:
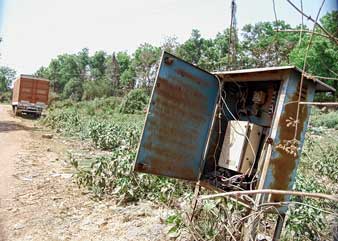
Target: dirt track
[(39, 200), (12, 134)]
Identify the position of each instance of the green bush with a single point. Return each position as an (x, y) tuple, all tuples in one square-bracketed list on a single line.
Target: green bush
[(113, 175), (306, 218), (73, 90), (67, 121), (135, 101), (108, 136), (96, 89), (6, 97), (317, 173), (99, 106), (329, 120)]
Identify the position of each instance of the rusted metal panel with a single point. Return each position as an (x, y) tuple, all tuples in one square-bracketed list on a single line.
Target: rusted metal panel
[(178, 120), (272, 73), (288, 141)]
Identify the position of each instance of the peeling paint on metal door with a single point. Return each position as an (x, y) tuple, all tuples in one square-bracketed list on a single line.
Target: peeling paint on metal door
[(283, 165), (179, 117)]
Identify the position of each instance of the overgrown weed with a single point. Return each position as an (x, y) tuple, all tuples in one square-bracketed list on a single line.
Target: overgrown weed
[(101, 122)]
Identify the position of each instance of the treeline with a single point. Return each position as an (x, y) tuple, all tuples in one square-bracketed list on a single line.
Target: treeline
[(81, 76)]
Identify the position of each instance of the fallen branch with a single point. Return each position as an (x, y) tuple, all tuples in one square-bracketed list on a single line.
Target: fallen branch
[(298, 203), (304, 31), (303, 70), (322, 77), (312, 20), (313, 103), (271, 191), (319, 103)]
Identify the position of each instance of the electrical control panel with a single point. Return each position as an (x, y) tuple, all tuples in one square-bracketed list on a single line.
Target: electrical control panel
[(240, 145), (227, 130)]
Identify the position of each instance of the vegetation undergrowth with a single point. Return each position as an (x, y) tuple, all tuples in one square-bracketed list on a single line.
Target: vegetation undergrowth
[(307, 218), (103, 123), (5, 97)]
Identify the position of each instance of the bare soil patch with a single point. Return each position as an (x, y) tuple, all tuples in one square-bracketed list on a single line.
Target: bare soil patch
[(39, 200)]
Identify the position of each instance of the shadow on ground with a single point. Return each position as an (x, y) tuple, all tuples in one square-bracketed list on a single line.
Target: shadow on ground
[(7, 126)]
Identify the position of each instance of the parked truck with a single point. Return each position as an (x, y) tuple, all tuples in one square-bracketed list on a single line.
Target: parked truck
[(30, 95)]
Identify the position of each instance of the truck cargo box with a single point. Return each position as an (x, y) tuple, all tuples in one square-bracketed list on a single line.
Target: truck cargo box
[(30, 94)]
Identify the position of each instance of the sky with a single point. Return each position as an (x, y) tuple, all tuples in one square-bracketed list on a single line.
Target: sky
[(35, 31)]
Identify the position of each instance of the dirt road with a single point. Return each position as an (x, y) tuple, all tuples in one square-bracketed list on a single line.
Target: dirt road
[(39, 200), (12, 134)]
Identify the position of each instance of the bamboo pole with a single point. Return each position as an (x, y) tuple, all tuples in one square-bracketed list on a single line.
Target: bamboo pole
[(271, 191)]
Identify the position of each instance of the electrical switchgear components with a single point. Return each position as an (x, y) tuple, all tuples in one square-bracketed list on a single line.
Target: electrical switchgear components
[(240, 146)]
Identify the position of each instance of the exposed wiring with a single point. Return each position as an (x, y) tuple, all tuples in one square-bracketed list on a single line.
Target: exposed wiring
[(244, 132), (218, 139)]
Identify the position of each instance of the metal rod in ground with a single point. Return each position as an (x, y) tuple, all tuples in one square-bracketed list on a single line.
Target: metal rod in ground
[(279, 227), (195, 200)]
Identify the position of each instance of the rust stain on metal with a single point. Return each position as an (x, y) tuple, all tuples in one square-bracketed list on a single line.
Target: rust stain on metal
[(197, 80), (159, 161), (180, 140), (180, 95), (283, 166), (168, 60)]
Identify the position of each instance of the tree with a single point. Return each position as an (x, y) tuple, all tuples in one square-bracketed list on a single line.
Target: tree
[(96, 88), (73, 89), (322, 59), (61, 70), (170, 44), (128, 78), (208, 54), (123, 60), (97, 65), (221, 45), (83, 61), (128, 75), (329, 22), (64, 68), (42, 72), (7, 75), (191, 50), (145, 63), (263, 46), (112, 71)]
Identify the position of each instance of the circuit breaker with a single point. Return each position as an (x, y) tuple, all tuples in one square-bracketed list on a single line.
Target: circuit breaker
[(240, 145)]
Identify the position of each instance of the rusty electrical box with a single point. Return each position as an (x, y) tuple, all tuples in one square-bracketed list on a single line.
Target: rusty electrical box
[(232, 130)]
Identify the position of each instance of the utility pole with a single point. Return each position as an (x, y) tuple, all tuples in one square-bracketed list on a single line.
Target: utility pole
[(232, 53)]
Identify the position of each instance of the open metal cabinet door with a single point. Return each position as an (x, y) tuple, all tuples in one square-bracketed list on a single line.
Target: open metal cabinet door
[(179, 118)]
